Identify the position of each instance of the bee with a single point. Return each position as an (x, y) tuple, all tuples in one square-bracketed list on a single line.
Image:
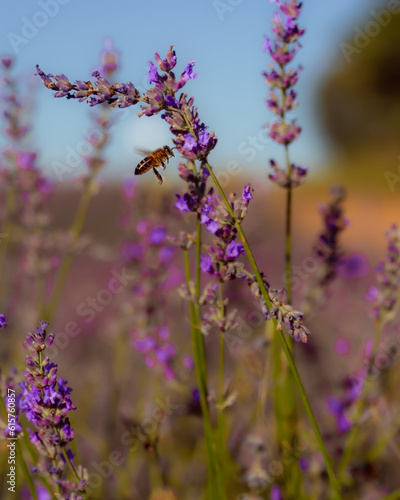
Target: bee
[(154, 160)]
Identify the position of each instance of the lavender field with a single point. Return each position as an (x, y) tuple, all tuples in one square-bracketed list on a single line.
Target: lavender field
[(177, 326)]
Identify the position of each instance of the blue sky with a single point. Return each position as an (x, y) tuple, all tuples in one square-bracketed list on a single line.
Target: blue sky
[(226, 44)]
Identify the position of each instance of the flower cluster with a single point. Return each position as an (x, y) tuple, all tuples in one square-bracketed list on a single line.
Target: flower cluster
[(157, 350), (221, 259), (385, 294), (10, 426), (326, 251), (46, 403), (28, 189), (121, 95), (339, 407), (282, 98), (15, 129), (193, 141), (150, 261), (284, 313), (3, 321)]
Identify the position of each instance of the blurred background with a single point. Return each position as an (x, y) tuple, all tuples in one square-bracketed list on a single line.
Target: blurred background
[(225, 39), (349, 94)]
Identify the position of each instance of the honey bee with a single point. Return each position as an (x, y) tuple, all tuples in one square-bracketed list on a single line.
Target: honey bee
[(154, 160)]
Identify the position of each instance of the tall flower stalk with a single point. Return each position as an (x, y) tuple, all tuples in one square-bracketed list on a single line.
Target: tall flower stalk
[(281, 100), (46, 403), (384, 297), (95, 164), (193, 141)]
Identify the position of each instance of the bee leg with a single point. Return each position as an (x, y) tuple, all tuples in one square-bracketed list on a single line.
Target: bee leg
[(163, 164), (158, 175)]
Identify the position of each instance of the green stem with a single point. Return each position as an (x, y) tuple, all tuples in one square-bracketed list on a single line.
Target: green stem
[(20, 458), (392, 496), (288, 243), (65, 266), (7, 227), (25, 472), (220, 414), (282, 340), (348, 449), (202, 385)]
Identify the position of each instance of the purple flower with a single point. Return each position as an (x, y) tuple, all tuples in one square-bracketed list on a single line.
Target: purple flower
[(153, 73), (157, 235), (246, 195), (169, 62), (132, 250), (337, 408), (385, 293), (234, 250), (353, 267), (183, 203), (206, 264), (157, 351), (342, 346), (3, 322), (276, 493), (146, 344)]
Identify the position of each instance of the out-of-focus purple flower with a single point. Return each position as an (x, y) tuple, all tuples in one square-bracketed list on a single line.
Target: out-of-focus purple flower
[(276, 493), (7, 62), (109, 58), (303, 462), (342, 346), (372, 294), (385, 295), (282, 49), (353, 267), (157, 235), (327, 250), (188, 362), (166, 253), (129, 187), (157, 350), (337, 408), (132, 250), (3, 322)]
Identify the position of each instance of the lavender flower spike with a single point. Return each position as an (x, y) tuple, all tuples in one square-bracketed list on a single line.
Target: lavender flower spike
[(46, 403)]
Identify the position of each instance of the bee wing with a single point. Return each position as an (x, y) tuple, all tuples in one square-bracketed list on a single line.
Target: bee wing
[(143, 151)]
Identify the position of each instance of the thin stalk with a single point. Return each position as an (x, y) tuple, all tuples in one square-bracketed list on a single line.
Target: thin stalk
[(25, 472), (65, 266), (290, 413), (7, 227), (288, 231), (202, 384), (20, 458), (348, 449), (282, 340), (220, 414)]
